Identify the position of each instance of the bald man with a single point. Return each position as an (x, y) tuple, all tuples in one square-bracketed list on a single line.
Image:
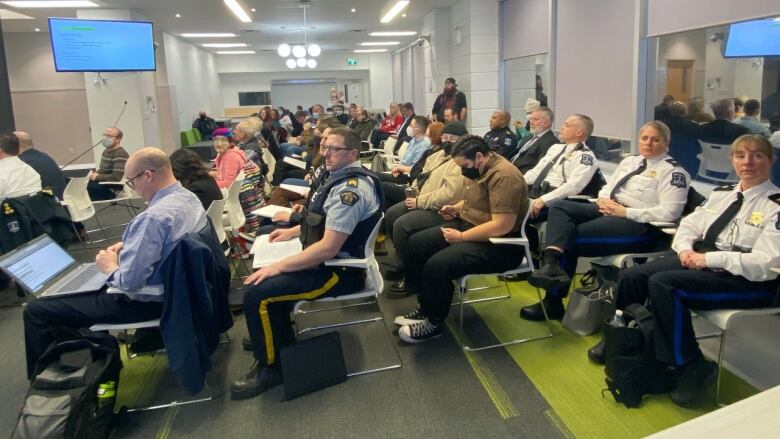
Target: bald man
[(112, 166), (51, 176), (500, 138), (133, 263)]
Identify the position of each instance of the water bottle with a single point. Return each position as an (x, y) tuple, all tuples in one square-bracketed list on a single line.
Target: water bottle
[(106, 393), (617, 321)]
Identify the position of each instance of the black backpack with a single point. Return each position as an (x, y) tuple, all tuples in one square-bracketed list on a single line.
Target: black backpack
[(63, 400), (629, 353)]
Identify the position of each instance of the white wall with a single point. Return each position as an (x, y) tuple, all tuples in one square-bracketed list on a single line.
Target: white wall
[(192, 72), (381, 80)]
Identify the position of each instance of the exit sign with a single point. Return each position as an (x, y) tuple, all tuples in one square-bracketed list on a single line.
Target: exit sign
[(352, 61)]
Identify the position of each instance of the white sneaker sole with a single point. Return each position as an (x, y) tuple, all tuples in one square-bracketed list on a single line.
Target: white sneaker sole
[(405, 336), (403, 321)]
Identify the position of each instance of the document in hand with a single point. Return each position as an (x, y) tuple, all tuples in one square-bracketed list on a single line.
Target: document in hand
[(269, 210), (295, 162), (303, 190), (266, 253)]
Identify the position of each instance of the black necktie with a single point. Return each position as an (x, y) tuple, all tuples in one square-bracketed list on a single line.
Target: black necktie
[(535, 188), (720, 223), (625, 178)]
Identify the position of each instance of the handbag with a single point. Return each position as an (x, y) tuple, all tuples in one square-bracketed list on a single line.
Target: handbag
[(378, 164), (589, 305)]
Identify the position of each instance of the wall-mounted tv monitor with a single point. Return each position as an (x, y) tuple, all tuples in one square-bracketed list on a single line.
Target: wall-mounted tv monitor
[(101, 45), (753, 39)]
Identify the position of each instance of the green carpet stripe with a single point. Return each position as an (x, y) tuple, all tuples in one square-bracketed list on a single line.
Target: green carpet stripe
[(558, 424), (506, 409), (572, 386)]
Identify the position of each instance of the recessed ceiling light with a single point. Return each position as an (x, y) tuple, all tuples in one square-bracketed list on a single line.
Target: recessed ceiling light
[(253, 10), (235, 52), (369, 50), (392, 9), (403, 15), (392, 34), (380, 43), (238, 10), (52, 4), (178, 15), (37, 29), (7, 14), (224, 45), (353, 10), (209, 35)]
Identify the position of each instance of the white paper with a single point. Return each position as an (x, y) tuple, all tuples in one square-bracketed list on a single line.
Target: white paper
[(295, 162), (266, 253), (269, 210), (303, 190)]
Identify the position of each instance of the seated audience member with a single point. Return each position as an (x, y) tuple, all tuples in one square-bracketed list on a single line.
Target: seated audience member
[(189, 170), (244, 135), (661, 110), (298, 120), (725, 252), (389, 125), (418, 145), (722, 130), (205, 125), (352, 116), (112, 167), (644, 188), (346, 208), (500, 138), (696, 111), (362, 125), (283, 172), (774, 126), (449, 115), (51, 176), (402, 135), (532, 148), (524, 130), (739, 107), (229, 162), (683, 145), (17, 178), (134, 262), (750, 120), (495, 199)]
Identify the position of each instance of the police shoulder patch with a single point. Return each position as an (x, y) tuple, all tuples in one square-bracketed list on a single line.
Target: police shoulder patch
[(507, 141), (352, 182), (349, 198), (587, 159), (678, 180), (728, 187)]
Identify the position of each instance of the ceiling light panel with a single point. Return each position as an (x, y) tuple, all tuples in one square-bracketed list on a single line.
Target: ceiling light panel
[(51, 4), (393, 8), (380, 43), (369, 50), (209, 35), (224, 45), (392, 34), (235, 52), (238, 11)]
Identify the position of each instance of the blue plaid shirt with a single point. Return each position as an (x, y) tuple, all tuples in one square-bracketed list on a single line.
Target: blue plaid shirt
[(151, 236)]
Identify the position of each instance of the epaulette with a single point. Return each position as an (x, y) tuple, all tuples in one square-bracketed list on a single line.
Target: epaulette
[(775, 198), (672, 162), (728, 187)]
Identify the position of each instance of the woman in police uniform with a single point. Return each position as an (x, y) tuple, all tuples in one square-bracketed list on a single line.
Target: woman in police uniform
[(645, 188), (725, 252), (495, 199)]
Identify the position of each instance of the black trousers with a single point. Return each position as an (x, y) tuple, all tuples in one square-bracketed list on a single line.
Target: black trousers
[(78, 311), (267, 306), (379, 136), (673, 291), (436, 263), (580, 230), (400, 179), (393, 192), (407, 224), (101, 192)]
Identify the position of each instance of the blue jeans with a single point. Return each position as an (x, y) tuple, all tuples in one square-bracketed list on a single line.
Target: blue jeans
[(289, 149)]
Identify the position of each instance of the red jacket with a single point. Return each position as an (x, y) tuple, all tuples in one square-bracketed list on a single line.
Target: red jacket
[(229, 164), (391, 123)]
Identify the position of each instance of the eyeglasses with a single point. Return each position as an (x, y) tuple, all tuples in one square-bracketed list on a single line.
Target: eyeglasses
[(129, 181), (334, 149)]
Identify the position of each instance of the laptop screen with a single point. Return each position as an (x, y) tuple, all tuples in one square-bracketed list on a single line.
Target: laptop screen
[(37, 262)]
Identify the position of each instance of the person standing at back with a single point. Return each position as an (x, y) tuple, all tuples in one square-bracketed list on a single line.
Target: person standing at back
[(450, 98)]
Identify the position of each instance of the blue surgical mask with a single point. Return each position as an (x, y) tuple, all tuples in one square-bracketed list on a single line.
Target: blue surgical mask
[(107, 142)]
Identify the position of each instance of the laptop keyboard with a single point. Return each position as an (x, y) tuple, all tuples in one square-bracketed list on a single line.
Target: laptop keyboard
[(80, 280)]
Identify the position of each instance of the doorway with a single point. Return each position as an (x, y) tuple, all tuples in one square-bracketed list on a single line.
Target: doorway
[(679, 79)]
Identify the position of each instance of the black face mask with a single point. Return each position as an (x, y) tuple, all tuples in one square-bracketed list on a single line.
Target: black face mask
[(447, 147), (472, 173)]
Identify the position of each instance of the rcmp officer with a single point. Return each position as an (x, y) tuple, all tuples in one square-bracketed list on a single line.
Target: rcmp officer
[(495, 199), (336, 223), (500, 138), (725, 252), (645, 188)]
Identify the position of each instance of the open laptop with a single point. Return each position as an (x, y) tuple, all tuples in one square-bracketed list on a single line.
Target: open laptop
[(44, 269)]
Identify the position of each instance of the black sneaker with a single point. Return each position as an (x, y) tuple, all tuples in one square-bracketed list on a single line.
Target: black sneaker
[(596, 353), (421, 331), (255, 382), (693, 380), (548, 277), (553, 306), (410, 318)]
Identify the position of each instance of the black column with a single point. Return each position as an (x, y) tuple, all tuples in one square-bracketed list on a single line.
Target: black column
[(6, 107)]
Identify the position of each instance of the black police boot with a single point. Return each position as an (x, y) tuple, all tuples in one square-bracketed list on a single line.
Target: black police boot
[(256, 381), (553, 305), (246, 343), (550, 275), (693, 380), (596, 353)]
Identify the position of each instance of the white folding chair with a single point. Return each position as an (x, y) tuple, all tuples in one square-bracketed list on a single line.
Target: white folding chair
[(715, 164), (214, 212), (235, 219), (76, 199), (374, 286), (526, 266)]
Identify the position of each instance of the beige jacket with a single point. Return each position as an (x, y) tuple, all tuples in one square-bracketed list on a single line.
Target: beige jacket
[(445, 184)]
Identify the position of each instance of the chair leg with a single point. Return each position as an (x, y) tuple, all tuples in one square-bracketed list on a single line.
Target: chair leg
[(208, 397), (392, 343), (721, 357)]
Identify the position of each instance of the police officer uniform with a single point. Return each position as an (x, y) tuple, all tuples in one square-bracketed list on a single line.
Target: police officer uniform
[(501, 140), (433, 263), (652, 190), (739, 233), (564, 171), (347, 202)]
